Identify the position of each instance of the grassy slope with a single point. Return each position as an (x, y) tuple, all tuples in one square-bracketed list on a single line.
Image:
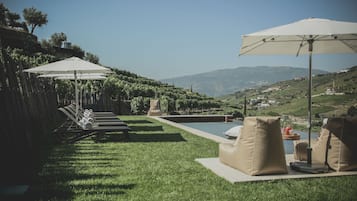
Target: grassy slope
[(157, 163)]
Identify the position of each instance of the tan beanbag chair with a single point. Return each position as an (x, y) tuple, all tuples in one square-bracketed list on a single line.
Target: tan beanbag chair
[(259, 149), (154, 109), (336, 146)]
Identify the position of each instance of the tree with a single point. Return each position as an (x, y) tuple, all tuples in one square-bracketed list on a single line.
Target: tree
[(78, 52), (10, 19), (34, 18), (137, 105), (3, 11), (13, 19), (92, 58), (57, 39), (47, 46)]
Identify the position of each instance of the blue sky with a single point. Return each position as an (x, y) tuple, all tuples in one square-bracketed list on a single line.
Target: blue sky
[(166, 38)]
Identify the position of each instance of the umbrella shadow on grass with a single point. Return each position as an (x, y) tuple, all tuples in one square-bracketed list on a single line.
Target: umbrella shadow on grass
[(70, 162), (147, 128), (138, 121), (133, 137), (58, 192)]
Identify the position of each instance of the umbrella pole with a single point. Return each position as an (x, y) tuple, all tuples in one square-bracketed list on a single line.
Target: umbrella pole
[(310, 101), (308, 166), (76, 92), (80, 94)]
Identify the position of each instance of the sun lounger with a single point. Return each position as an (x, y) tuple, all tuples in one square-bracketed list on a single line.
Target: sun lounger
[(93, 123), (73, 130), (94, 116), (96, 121)]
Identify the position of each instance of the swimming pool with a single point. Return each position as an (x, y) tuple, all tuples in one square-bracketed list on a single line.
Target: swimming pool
[(218, 129)]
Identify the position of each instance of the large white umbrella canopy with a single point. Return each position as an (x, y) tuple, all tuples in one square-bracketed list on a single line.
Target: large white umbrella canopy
[(328, 36), (308, 36), (73, 65)]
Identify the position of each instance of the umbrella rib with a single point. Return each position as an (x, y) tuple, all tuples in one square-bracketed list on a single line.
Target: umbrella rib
[(255, 45), (343, 41), (300, 46), (348, 45)]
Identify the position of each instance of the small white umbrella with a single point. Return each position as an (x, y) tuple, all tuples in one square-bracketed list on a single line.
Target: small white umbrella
[(82, 76), (308, 36), (71, 65)]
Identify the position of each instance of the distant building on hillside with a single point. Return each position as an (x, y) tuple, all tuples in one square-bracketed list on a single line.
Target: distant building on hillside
[(263, 105), (332, 91), (271, 89), (299, 78), (344, 71)]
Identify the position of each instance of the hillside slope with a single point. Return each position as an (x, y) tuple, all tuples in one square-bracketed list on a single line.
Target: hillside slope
[(290, 97), (226, 81)]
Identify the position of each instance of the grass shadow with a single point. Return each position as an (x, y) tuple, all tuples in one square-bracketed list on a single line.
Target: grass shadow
[(138, 121), (147, 128), (68, 163), (55, 192), (148, 137), (104, 138)]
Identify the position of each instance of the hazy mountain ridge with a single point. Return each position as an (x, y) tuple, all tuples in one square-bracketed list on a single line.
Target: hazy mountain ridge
[(226, 81)]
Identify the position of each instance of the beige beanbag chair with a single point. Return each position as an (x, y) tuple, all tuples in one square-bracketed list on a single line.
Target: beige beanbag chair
[(336, 146), (154, 109), (259, 149)]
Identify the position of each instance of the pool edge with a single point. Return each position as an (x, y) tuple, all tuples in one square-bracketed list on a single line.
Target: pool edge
[(196, 132)]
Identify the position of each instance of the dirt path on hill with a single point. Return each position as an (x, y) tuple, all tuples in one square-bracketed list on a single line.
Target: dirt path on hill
[(298, 120)]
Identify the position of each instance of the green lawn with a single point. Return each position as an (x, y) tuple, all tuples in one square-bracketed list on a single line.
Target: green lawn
[(157, 163)]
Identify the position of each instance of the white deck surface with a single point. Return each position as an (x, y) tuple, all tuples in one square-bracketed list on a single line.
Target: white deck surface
[(234, 176)]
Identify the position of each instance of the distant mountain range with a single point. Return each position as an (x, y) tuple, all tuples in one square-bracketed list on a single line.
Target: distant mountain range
[(227, 81)]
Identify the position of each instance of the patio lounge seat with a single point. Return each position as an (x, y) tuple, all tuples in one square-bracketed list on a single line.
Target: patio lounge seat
[(73, 130), (92, 122), (97, 117), (259, 148), (335, 147), (154, 108)]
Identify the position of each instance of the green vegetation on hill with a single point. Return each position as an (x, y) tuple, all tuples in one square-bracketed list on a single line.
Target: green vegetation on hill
[(126, 86), (334, 94)]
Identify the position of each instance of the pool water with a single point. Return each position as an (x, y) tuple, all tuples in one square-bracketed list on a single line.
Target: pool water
[(218, 128)]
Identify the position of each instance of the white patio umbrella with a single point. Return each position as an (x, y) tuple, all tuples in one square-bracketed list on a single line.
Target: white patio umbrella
[(82, 76), (73, 66), (308, 36)]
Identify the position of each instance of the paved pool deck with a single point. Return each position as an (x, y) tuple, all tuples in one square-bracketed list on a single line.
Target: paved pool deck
[(235, 176)]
